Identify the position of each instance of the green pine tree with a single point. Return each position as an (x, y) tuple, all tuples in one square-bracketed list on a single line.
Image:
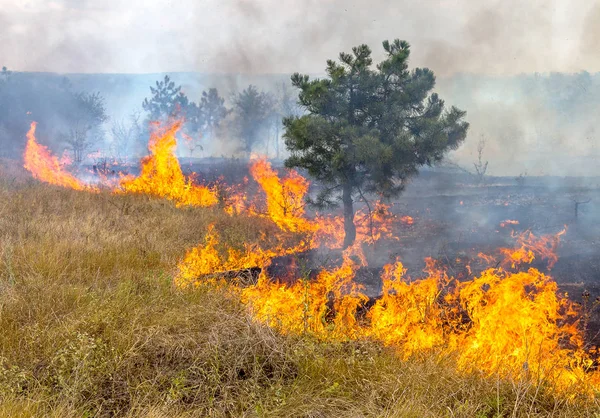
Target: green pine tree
[(367, 130)]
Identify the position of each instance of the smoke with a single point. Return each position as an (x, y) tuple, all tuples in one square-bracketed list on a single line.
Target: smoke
[(271, 36), (453, 36), (234, 42), (590, 36)]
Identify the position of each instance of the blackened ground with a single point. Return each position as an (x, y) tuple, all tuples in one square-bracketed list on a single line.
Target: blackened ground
[(456, 218)]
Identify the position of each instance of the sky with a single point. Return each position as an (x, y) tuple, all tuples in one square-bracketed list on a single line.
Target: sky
[(282, 36)]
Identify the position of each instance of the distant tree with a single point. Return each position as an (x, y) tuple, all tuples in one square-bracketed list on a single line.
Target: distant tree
[(4, 74), (252, 111), (125, 135), (480, 165), (367, 130), (3, 82), (285, 105), (212, 107), (88, 114), (200, 120), (167, 101), (61, 112)]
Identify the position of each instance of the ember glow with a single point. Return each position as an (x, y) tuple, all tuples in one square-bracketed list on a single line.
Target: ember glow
[(508, 222)]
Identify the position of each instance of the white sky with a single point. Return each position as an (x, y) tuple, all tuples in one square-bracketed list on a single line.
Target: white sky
[(283, 36)]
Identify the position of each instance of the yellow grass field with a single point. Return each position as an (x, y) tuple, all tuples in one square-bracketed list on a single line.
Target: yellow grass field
[(91, 325)]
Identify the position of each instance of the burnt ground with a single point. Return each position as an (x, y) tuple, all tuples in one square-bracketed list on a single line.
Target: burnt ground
[(455, 218), (453, 224)]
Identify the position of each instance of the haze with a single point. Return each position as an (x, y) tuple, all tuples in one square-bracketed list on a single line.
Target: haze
[(274, 36)]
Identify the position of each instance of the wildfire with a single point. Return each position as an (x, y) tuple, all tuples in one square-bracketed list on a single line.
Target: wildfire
[(409, 315), (512, 324), (325, 306), (371, 226), (206, 259), (45, 166), (520, 328), (508, 321), (161, 174), (285, 206)]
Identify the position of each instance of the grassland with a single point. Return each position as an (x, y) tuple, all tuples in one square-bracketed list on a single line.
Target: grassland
[(90, 325)]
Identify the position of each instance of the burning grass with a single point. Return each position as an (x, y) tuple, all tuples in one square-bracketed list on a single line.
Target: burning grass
[(506, 324), (93, 326)]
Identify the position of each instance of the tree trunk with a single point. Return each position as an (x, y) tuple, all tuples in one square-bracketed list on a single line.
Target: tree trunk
[(277, 142), (349, 227)]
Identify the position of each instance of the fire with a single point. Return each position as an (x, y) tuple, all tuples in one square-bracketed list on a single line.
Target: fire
[(530, 246), (161, 174), (407, 220), (409, 315), (507, 321), (508, 222), (284, 197), (511, 324), (45, 166), (285, 206), (325, 306), (206, 259), (235, 202), (520, 327), (371, 226)]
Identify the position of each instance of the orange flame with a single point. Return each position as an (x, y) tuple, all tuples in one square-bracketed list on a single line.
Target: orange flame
[(407, 220), (503, 322), (325, 306), (513, 325), (206, 259), (284, 197), (530, 246), (161, 174), (45, 166)]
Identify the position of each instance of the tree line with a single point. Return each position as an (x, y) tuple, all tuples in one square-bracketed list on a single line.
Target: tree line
[(78, 122), (252, 118)]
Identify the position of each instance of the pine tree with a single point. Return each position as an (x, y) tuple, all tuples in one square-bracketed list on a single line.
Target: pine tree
[(252, 110), (368, 130)]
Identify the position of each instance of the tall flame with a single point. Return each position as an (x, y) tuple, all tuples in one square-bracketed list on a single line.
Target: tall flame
[(508, 321), (161, 174), (45, 166), (284, 197)]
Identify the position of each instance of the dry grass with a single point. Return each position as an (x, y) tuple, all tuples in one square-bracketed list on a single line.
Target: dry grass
[(91, 326)]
